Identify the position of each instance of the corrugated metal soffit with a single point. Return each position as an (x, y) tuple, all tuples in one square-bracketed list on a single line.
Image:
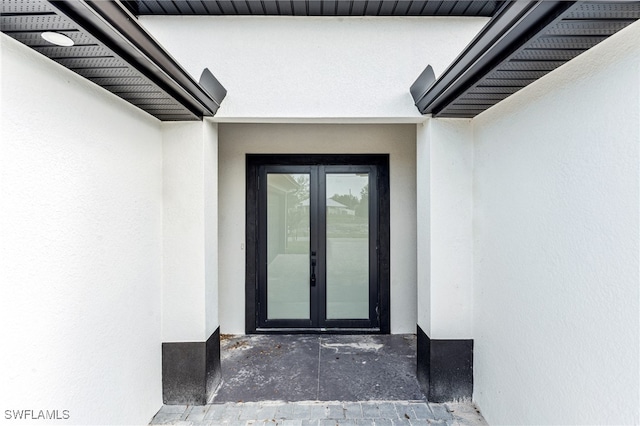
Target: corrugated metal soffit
[(315, 7)]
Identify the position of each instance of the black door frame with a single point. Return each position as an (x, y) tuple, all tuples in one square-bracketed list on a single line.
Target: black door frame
[(254, 163)]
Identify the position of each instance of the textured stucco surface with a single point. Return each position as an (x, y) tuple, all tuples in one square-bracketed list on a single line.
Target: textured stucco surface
[(236, 140), (445, 244), (183, 278), (210, 164), (80, 247), (556, 245), (423, 226), (190, 231), (315, 67)]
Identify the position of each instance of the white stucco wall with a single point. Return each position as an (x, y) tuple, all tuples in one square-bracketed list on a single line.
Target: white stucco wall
[(236, 140), (314, 67), (445, 247), (189, 284), (556, 200), (210, 164), (80, 247), (423, 226)]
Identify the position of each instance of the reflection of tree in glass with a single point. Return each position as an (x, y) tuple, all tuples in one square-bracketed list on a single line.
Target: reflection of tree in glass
[(363, 207), (295, 212), (302, 193)]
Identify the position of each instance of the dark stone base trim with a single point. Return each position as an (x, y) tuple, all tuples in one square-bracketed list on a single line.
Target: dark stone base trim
[(213, 363), (190, 371), (445, 368)]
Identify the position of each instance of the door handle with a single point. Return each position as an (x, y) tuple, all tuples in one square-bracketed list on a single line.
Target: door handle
[(313, 269)]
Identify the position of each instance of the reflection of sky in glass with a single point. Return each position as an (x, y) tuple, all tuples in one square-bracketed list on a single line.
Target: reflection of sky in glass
[(341, 184)]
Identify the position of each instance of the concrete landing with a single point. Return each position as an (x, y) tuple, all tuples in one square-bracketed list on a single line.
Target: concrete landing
[(319, 380), (318, 368)]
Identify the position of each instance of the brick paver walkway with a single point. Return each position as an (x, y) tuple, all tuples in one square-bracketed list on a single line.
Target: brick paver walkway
[(318, 413)]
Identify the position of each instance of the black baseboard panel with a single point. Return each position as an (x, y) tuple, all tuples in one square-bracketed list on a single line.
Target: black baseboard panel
[(445, 368), (213, 363), (190, 371)]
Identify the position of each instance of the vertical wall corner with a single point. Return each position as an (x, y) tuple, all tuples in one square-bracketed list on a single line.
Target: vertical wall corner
[(190, 371), (445, 368), (423, 360), (213, 371)]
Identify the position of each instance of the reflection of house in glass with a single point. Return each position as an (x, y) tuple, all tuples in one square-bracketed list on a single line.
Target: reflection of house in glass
[(287, 246), (284, 213), (333, 207)]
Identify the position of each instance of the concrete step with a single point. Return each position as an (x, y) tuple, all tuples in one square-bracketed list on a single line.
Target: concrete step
[(321, 413)]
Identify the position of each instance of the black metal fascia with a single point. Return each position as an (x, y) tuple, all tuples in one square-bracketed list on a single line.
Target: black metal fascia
[(512, 25), (113, 24)]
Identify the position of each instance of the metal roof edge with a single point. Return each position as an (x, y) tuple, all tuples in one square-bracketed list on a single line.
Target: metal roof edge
[(114, 25), (513, 24)]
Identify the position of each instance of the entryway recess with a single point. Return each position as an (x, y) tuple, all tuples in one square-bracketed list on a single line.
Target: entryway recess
[(317, 238)]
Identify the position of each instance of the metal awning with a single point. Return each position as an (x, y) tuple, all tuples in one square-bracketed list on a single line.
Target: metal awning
[(112, 50), (524, 41)]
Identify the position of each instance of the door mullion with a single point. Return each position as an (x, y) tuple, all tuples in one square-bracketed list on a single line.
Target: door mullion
[(313, 241), (321, 226)]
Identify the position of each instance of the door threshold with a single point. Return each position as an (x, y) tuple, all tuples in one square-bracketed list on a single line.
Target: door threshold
[(317, 331)]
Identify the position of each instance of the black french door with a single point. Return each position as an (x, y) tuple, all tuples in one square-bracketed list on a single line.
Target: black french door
[(316, 258)]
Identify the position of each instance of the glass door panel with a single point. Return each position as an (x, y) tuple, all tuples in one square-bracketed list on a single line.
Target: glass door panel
[(315, 235), (347, 245), (288, 246)]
